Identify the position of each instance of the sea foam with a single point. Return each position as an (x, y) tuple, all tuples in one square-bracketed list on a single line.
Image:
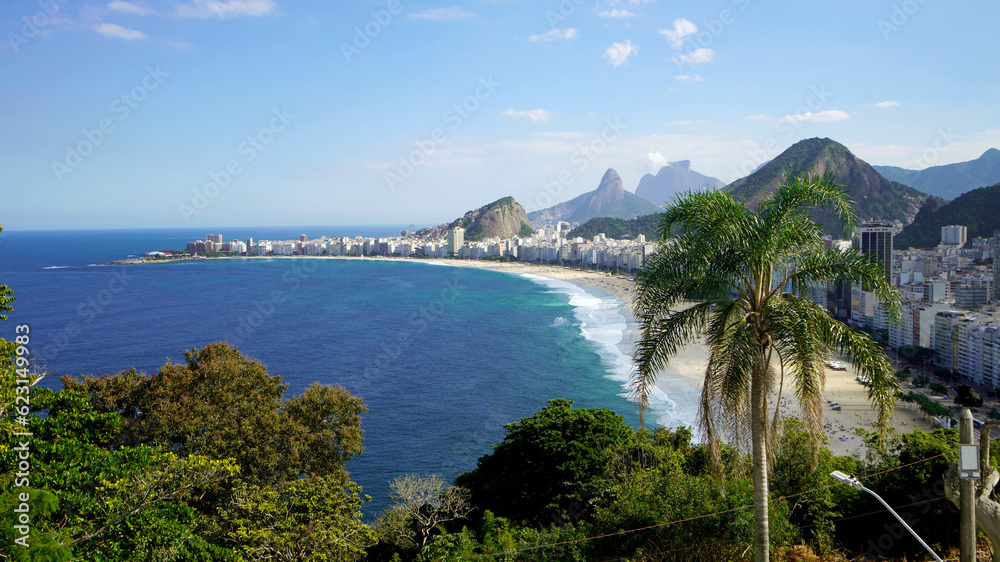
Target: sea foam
[(605, 322)]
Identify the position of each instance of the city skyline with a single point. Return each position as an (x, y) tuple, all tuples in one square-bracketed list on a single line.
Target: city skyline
[(221, 113)]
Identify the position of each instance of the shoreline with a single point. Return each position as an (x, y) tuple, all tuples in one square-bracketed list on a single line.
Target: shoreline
[(685, 370)]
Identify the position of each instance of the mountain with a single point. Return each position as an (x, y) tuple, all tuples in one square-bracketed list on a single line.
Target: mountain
[(950, 180), (976, 209), (618, 228), (875, 197), (502, 218), (609, 200), (675, 178)]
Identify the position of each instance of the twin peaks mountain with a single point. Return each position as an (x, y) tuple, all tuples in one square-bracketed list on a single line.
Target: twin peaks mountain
[(875, 197), (677, 177), (609, 200)]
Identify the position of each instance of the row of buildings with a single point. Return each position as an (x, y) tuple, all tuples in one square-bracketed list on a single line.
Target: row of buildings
[(949, 296), (949, 299), (546, 245)]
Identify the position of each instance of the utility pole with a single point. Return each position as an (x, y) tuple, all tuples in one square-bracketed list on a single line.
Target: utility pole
[(967, 496)]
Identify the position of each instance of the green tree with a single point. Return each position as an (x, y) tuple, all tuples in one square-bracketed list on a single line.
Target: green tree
[(748, 272), (549, 466), (222, 404), (312, 519)]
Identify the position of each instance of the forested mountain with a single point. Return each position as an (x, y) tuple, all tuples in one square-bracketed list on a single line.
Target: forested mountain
[(950, 180), (875, 197), (979, 210), (618, 228), (502, 218)]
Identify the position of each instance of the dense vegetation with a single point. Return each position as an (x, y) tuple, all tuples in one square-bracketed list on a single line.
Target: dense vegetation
[(127, 467), (875, 197), (619, 228), (976, 210)]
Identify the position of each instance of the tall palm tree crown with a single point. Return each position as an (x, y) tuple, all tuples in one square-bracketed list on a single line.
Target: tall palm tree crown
[(738, 277)]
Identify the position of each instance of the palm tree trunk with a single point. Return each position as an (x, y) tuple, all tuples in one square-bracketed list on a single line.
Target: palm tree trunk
[(758, 421)]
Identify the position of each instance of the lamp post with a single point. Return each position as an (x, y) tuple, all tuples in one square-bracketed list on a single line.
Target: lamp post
[(852, 481)]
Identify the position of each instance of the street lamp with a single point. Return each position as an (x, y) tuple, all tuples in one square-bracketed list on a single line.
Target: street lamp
[(852, 481)]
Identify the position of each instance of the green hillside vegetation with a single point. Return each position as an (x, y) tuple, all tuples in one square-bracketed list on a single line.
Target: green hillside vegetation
[(618, 228), (875, 197), (979, 210), (128, 467)]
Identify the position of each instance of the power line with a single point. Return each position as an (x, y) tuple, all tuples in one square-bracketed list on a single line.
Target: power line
[(648, 527)]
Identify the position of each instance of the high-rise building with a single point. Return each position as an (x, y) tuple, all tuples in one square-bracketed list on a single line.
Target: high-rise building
[(303, 238), (216, 238), (456, 239), (995, 254), (954, 235), (876, 241)]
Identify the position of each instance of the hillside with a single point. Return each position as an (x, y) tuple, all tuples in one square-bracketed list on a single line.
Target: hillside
[(502, 218), (976, 209), (677, 177), (950, 180), (609, 200), (618, 228), (875, 197)]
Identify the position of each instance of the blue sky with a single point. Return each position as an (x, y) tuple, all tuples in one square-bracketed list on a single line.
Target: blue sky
[(209, 113)]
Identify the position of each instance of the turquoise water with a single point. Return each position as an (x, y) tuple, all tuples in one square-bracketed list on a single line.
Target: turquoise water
[(443, 356)]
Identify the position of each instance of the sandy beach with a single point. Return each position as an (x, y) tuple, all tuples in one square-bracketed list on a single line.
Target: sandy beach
[(841, 386)]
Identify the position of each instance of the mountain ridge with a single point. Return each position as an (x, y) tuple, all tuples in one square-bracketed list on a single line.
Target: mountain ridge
[(610, 199), (875, 197), (949, 180), (975, 209), (503, 218), (674, 178)]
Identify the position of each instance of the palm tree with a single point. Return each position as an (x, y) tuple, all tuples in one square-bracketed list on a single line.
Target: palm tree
[(747, 272)]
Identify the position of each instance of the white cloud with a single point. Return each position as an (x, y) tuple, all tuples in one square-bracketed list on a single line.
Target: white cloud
[(654, 161), (696, 57), (682, 28), (536, 115), (618, 53), (759, 117), (819, 116), (115, 30), (555, 33), (136, 8), (615, 13), (688, 78), (882, 104), (224, 9), (443, 14)]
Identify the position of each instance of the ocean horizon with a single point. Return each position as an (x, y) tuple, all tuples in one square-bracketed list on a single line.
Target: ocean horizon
[(444, 357)]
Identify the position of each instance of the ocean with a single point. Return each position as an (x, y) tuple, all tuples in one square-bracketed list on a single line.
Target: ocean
[(443, 356)]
